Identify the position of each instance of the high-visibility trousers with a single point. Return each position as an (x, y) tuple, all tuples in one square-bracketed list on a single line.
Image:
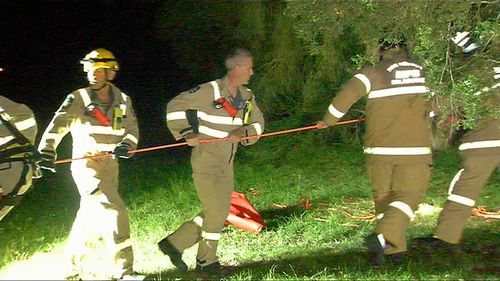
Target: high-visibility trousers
[(213, 177), (102, 213), (398, 188), (463, 192)]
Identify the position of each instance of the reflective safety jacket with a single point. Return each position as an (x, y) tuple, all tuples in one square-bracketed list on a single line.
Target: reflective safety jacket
[(485, 139), (21, 117), (197, 110), (398, 121), (90, 136)]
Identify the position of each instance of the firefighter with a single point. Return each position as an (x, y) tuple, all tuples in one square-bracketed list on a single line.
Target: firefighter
[(397, 144), (18, 165), (480, 151), (223, 108), (101, 119)]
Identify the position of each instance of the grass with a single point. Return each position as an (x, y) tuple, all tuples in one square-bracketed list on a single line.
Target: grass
[(277, 175)]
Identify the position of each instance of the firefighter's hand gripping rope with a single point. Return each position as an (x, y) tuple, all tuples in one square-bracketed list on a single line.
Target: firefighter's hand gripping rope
[(319, 125)]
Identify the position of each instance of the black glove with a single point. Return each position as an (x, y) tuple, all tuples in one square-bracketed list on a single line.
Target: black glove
[(47, 161), (121, 151)]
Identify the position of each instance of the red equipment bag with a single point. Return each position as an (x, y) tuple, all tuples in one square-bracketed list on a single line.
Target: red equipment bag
[(243, 215)]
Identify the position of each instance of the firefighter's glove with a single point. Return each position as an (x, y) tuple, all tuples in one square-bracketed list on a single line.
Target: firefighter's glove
[(192, 139), (47, 161), (235, 135), (122, 151)]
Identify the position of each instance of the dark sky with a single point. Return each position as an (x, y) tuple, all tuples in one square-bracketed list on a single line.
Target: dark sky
[(42, 43)]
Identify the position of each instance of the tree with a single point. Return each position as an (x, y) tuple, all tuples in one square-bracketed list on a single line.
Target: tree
[(304, 50)]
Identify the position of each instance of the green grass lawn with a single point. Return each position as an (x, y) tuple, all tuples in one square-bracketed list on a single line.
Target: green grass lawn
[(322, 242)]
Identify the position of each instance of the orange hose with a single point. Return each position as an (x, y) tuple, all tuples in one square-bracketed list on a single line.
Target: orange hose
[(109, 154)]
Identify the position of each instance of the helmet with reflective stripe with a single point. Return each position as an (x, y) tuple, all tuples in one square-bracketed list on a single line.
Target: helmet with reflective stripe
[(464, 41), (99, 58)]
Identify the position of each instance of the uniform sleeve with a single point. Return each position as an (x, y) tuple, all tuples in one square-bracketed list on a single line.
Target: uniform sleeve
[(27, 123), (349, 93), (24, 120), (61, 123), (182, 109), (21, 117), (131, 135), (256, 124)]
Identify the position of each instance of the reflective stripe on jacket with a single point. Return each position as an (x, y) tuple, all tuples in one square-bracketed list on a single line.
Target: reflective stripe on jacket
[(90, 137), (20, 116), (212, 121), (397, 113)]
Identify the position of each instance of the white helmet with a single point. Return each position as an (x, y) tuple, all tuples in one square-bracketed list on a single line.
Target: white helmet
[(463, 40)]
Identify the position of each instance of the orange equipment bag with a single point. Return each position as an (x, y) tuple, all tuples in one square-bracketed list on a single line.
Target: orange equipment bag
[(243, 215)]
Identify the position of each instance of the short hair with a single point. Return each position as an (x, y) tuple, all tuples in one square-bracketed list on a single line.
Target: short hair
[(235, 57)]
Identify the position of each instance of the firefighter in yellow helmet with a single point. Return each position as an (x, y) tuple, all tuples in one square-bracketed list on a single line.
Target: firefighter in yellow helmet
[(397, 143), (480, 151), (101, 119), (18, 165), (223, 108)]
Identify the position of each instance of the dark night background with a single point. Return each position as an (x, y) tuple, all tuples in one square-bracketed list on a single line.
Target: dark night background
[(42, 43)]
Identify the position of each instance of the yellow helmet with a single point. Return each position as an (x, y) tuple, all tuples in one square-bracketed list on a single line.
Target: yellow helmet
[(99, 58)]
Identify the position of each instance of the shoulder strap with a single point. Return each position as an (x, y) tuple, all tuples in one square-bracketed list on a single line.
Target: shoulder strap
[(19, 136), (123, 104), (85, 97), (216, 90)]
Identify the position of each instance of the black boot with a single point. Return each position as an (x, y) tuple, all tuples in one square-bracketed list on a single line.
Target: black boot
[(397, 259), (431, 243), (375, 250), (175, 256), (213, 270)]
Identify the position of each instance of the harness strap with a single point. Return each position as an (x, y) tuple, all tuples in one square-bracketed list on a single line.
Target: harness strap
[(14, 149), (20, 139)]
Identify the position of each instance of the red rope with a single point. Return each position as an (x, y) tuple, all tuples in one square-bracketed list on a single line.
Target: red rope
[(209, 140)]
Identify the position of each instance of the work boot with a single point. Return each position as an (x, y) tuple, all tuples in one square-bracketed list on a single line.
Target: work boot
[(213, 270), (175, 256), (397, 259), (72, 276), (433, 243), (133, 277), (375, 249)]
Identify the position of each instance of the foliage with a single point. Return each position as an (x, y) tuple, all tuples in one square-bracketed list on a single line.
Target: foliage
[(427, 26), (304, 50)]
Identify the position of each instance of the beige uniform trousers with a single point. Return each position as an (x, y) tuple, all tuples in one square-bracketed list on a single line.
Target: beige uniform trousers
[(102, 213), (398, 188), (213, 177), (468, 183), (13, 175)]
